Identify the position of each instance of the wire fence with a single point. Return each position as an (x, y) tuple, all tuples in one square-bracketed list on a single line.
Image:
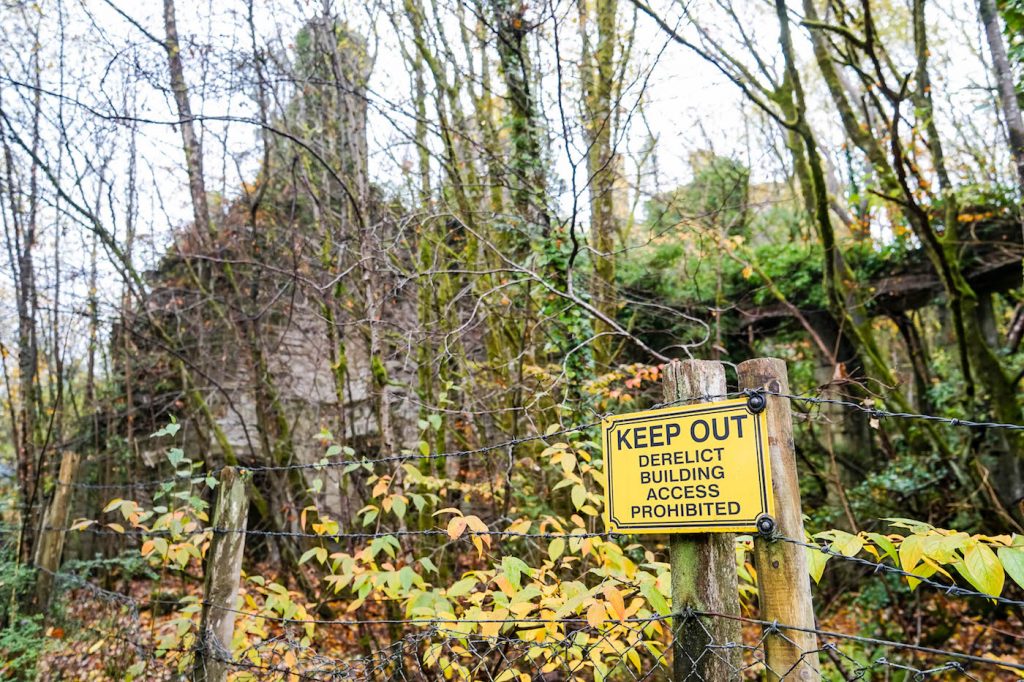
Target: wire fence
[(658, 647), (951, 589), (385, 640), (508, 446)]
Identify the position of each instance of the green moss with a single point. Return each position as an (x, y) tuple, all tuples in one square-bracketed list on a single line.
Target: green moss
[(380, 373)]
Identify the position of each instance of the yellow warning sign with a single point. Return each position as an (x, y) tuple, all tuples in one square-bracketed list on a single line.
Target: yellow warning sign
[(692, 469)]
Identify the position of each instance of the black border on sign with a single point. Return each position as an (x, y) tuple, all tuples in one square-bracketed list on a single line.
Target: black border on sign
[(687, 412)]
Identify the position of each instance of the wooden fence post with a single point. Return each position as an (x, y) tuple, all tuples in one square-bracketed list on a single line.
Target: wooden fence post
[(223, 571), (51, 540), (783, 581), (703, 564)]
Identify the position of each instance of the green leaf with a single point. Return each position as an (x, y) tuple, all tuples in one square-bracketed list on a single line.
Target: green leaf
[(884, 544), (333, 450), (435, 421), (556, 548), (405, 576), (398, 506), (136, 670), (571, 605), (655, 598), (514, 569), (175, 456), (428, 564), (424, 448), (910, 524), (524, 595), (1013, 563), (169, 430), (983, 569), (845, 543), (212, 482), (943, 548), (461, 588), (387, 543), (816, 561)]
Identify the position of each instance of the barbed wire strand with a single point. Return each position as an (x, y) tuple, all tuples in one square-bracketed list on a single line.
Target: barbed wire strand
[(406, 456), (438, 626), (876, 566), (775, 626), (874, 412)]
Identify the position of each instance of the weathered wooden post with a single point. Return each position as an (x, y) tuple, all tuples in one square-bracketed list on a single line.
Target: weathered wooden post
[(223, 571), (51, 539), (703, 564), (783, 582)]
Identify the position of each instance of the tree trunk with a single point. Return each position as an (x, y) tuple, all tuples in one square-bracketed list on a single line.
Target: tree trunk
[(190, 140), (1005, 84), (600, 101)]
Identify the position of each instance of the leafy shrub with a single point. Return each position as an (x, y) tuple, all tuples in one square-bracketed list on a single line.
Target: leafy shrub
[(21, 638)]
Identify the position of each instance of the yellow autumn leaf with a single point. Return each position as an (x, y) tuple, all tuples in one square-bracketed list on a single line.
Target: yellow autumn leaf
[(448, 510), (456, 527), (531, 634), (816, 561), (983, 569), (520, 526), (614, 598), (505, 585), (578, 495), (634, 658), (911, 551), (492, 625), (568, 462), (381, 487), (475, 524)]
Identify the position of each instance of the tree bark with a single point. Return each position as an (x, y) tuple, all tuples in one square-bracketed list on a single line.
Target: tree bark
[(189, 138), (600, 100), (1004, 83)]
